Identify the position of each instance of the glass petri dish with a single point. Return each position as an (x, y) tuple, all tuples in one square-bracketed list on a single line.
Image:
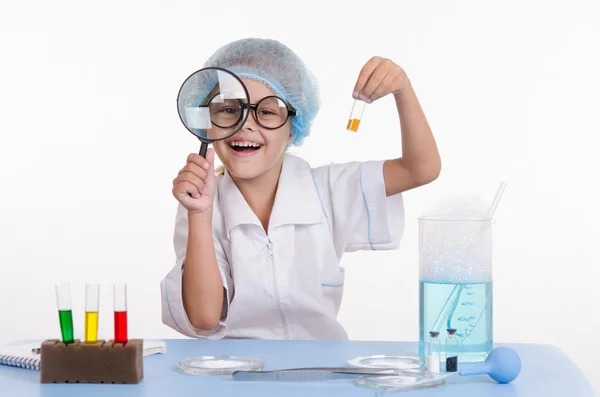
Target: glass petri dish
[(219, 365), (383, 361), (404, 381)]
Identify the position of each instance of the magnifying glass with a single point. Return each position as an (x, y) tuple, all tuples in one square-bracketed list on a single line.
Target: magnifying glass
[(210, 105)]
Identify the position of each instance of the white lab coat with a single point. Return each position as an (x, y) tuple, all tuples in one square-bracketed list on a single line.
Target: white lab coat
[(288, 284)]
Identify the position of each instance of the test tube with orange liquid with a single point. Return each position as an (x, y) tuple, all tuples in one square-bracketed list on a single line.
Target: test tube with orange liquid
[(356, 115)]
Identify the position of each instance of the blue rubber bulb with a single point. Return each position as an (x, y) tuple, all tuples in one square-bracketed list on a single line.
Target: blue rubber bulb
[(502, 365)]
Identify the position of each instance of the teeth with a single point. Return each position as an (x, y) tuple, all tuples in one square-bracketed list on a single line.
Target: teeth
[(244, 144)]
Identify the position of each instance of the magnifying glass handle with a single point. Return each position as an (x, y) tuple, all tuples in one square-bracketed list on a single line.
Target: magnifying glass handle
[(203, 149)]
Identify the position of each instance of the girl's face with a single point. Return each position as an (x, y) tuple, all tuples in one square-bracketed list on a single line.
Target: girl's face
[(254, 150)]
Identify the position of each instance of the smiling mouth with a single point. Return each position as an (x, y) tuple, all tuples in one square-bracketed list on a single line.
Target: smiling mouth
[(244, 146)]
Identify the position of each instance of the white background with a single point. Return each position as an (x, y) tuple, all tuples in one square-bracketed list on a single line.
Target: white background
[(91, 141)]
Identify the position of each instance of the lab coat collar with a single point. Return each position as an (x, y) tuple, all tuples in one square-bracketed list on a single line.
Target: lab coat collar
[(296, 200)]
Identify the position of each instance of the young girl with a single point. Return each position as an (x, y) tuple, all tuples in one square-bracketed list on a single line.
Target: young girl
[(258, 247)]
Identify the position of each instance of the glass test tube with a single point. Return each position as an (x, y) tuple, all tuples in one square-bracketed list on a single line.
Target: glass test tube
[(120, 308), (92, 304), (451, 351), (65, 315), (356, 115), (433, 352)]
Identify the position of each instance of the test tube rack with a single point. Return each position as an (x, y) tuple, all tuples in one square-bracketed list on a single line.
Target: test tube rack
[(100, 362)]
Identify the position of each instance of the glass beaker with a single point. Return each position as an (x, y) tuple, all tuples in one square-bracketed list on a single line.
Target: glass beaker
[(455, 283)]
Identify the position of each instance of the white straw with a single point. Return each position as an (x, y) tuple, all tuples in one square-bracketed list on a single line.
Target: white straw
[(496, 201), (490, 214)]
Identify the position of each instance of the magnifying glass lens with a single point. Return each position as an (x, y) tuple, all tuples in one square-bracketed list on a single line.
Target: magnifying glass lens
[(210, 105)]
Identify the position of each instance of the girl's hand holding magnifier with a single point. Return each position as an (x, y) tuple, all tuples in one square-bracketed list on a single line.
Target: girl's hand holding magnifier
[(195, 185)]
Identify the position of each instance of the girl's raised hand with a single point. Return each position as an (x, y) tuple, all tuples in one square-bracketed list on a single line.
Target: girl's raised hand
[(379, 77)]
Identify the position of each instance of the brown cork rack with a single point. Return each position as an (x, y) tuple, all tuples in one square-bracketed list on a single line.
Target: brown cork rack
[(100, 362)]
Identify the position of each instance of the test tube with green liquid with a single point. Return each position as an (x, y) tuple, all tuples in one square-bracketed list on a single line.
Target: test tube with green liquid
[(65, 315)]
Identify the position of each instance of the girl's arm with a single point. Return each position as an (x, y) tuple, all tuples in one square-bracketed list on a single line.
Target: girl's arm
[(202, 284), (420, 162)]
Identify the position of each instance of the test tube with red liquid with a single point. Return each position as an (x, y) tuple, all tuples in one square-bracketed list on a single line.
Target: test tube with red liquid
[(120, 308)]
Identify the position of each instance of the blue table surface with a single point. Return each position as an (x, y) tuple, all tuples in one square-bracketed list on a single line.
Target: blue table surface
[(546, 371)]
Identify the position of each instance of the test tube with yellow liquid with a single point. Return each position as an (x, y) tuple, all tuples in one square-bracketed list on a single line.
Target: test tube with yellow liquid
[(356, 115), (92, 305)]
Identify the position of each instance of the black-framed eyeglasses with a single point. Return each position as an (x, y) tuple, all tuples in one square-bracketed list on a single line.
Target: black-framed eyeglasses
[(271, 112)]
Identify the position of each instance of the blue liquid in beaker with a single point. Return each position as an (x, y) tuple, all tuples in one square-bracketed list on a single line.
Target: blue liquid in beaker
[(467, 307)]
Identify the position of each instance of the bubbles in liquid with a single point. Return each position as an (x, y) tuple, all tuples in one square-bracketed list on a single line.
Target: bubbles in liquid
[(442, 305)]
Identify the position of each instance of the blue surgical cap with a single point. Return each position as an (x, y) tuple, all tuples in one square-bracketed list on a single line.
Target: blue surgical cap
[(277, 66)]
